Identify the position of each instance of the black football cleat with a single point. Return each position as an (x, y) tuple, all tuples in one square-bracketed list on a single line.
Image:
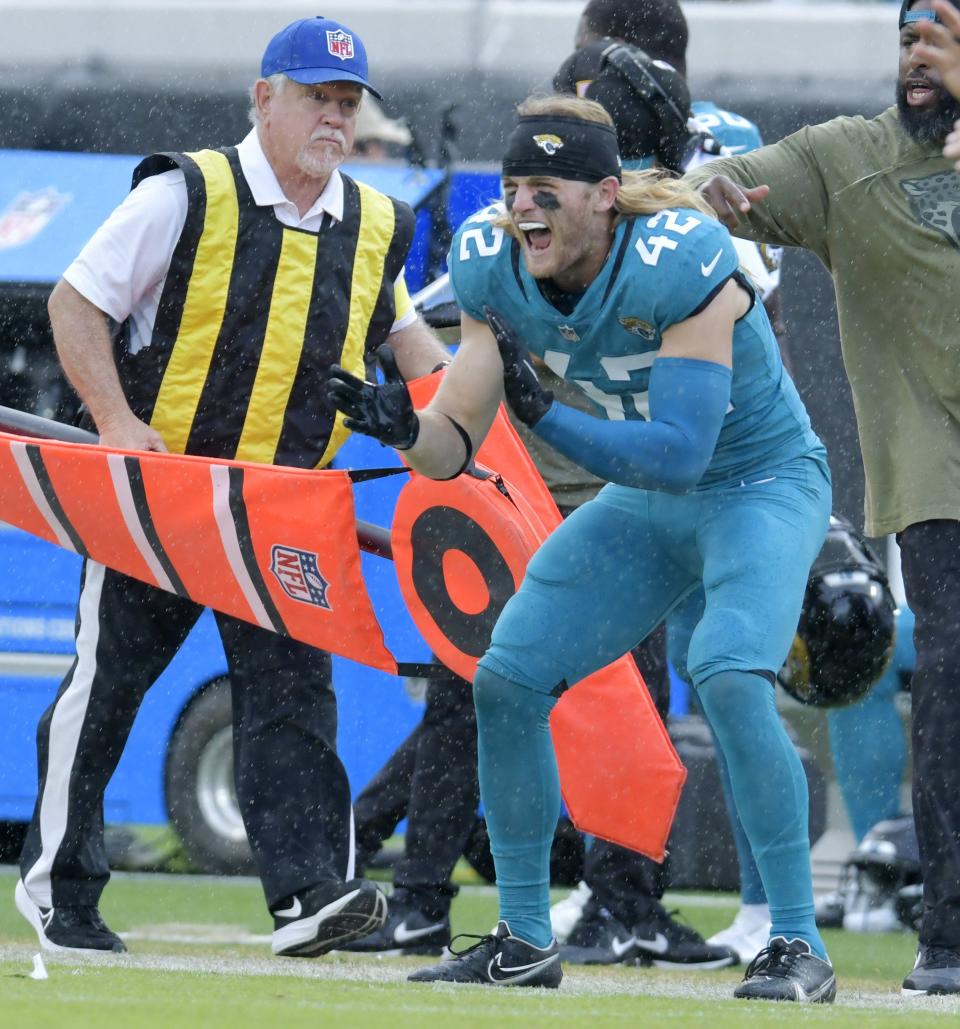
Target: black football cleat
[(936, 973), (663, 942), (326, 916), (68, 927), (598, 939), (498, 959), (407, 930), (788, 970)]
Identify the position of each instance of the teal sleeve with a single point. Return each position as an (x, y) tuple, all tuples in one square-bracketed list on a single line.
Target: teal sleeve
[(671, 452)]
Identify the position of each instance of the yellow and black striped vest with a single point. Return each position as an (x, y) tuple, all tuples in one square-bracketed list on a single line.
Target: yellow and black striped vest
[(253, 313)]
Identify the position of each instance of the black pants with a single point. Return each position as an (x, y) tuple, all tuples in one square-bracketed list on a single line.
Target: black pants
[(293, 790), (431, 779), (930, 554)]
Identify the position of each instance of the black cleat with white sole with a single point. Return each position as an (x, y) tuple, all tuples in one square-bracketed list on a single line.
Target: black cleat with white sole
[(936, 973), (407, 930), (326, 916), (68, 927), (498, 959), (663, 942), (788, 970), (598, 939)]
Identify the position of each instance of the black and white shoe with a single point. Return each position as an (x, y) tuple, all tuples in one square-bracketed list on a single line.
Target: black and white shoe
[(326, 916), (68, 927), (788, 970), (660, 940), (407, 930), (598, 939), (498, 959), (936, 972)]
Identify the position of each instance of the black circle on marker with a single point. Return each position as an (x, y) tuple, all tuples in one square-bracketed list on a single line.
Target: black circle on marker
[(436, 531)]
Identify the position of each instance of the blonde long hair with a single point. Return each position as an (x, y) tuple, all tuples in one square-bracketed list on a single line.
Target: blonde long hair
[(641, 192)]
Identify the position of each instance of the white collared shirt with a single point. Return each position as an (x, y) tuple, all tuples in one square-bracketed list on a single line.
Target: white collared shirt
[(122, 268)]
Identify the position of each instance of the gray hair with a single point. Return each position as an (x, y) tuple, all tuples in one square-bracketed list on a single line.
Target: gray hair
[(278, 83)]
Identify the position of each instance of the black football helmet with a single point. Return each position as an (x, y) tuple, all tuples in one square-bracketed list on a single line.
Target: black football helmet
[(880, 885), (846, 632)]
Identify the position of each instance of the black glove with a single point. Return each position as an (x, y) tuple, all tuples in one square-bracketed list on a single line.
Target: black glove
[(528, 400), (384, 412)]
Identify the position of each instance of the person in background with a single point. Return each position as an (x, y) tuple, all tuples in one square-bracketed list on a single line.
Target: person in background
[(379, 138)]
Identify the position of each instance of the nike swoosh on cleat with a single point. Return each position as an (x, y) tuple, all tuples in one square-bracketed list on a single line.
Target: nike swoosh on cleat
[(707, 269), (294, 911), (404, 935), (658, 944), (517, 972), (620, 948)]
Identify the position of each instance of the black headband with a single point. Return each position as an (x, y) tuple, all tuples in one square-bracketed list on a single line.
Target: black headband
[(564, 148)]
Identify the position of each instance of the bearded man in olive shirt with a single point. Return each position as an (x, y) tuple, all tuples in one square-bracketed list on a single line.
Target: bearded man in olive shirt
[(878, 203)]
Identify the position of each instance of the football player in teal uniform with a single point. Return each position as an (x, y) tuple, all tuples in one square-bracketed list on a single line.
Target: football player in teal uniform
[(623, 285), (631, 58)]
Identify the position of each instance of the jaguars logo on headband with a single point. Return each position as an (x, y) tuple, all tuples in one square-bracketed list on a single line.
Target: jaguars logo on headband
[(548, 143)]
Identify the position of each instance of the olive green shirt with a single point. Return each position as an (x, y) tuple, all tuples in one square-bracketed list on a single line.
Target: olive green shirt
[(883, 214)]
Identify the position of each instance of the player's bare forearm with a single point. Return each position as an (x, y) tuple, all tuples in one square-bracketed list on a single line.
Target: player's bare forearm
[(82, 337), (417, 350), (468, 396)]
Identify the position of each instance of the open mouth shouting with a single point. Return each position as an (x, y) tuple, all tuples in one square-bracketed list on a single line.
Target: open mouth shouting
[(536, 236), (920, 91)]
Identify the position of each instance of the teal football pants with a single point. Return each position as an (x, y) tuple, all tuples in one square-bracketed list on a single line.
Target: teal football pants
[(604, 579)]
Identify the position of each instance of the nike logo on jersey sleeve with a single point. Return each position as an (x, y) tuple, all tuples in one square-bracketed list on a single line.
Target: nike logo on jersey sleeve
[(707, 269)]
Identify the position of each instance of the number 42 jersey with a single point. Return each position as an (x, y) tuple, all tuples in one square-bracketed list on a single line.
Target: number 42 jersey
[(662, 269)]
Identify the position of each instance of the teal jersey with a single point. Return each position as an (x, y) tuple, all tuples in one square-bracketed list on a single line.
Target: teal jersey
[(737, 135), (661, 270)]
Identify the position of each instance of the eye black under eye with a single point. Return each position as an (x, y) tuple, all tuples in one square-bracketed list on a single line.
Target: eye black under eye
[(546, 201)]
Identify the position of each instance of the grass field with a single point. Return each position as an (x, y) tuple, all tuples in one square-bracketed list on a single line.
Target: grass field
[(199, 956)]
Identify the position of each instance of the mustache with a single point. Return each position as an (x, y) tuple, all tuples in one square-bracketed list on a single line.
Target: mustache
[(329, 136)]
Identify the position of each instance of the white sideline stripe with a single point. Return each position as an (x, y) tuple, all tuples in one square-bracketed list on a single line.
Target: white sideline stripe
[(231, 545), (32, 483), (358, 968), (121, 485), (65, 726)]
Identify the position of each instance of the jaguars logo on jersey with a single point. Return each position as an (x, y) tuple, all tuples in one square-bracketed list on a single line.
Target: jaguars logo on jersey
[(638, 327), (548, 143)]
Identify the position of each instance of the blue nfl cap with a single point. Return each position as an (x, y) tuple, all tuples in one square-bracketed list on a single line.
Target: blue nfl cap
[(317, 50)]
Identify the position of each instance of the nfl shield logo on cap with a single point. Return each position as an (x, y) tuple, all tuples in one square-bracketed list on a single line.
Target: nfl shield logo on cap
[(340, 44), (314, 50)]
